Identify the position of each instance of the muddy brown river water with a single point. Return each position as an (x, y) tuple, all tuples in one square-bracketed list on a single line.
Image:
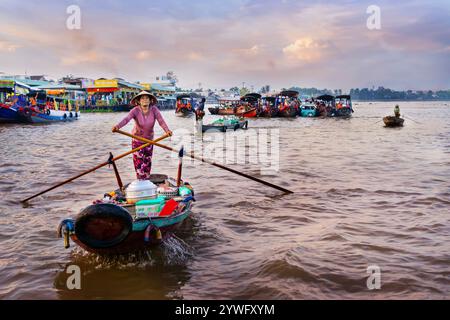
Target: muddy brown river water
[(365, 196)]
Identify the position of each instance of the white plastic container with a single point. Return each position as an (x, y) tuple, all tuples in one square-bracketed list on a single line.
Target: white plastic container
[(140, 190)]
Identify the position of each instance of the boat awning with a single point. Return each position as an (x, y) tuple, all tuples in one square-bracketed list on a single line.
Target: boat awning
[(101, 90), (325, 97), (289, 93)]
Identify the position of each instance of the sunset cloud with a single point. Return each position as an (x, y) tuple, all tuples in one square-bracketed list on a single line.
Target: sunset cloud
[(306, 49), (223, 44)]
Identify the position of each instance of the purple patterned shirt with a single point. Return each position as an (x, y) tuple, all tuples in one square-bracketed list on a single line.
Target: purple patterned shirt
[(144, 125)]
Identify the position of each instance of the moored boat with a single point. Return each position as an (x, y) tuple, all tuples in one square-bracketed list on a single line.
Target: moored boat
[(185, 106), (344, 108), (308, 110), (392, 121), (325, 105), (268, 109), (288, 104), (251, 103), (34, 115)]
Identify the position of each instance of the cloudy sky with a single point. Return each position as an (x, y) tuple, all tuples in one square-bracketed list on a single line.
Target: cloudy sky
[(223, 43)]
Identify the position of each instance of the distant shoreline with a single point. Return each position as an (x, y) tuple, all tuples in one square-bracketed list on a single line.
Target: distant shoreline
[(354, 100)]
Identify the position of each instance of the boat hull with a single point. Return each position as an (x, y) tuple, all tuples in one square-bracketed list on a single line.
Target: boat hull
[(224, 128), (343, 112), (240, 112), (184, 113), (268, 113), (213, 111), (392, 122), (136, 240), (288, 112), (10, 115), (250, 113), (54, 116)]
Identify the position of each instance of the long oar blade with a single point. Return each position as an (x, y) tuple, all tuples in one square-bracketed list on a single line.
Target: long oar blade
[(193, 156)]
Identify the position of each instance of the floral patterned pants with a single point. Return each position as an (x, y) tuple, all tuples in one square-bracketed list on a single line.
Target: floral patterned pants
[(142, 160)]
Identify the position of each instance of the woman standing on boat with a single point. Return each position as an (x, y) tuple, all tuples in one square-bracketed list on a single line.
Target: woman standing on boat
[(144, 114)]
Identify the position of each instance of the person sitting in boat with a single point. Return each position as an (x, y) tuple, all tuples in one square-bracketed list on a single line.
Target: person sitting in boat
[(145, 113), (397, 111)]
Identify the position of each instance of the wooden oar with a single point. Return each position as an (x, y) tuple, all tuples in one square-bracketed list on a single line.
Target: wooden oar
[(193, 156), (96, 167), (412, 120)]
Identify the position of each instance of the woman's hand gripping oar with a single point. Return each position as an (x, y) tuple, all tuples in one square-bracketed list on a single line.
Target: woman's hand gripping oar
[(193, 156)]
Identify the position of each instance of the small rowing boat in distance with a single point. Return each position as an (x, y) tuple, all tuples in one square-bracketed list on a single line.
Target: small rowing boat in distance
[(391, 121), (222, 125)]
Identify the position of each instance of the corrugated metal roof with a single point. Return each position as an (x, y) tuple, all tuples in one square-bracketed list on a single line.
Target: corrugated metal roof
[(156, 86), (58, 86), (129, 84)]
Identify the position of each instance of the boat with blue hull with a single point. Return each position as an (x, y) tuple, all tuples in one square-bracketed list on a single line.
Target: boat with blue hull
[(50, 116), (308, 110), (13, 114)]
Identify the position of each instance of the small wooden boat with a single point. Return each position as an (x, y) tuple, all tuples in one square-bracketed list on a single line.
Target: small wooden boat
[(223, 125), (226, 107), (119, 228), (185, 105), (252, 101), (288, 104), (308, 110), (391, 121), (343, 105), (268, 113), (238, 111)]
